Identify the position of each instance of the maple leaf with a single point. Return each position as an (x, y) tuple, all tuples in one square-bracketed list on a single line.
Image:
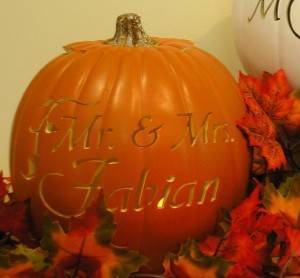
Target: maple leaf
[(87, 247), (276, 98), (285, 200), (266, 224), (210, 245), (258, 126), (239, 271), (15, 221), (259, 165), (272, 92), (239, 248), (244, 216), (293, 236), (292, 124), (21, 261), (261, 134), (191, 263), (290, 263), (19, 270)]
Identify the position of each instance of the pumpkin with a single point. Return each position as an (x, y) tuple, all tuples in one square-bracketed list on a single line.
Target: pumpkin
[(268, 36), (148, 121)]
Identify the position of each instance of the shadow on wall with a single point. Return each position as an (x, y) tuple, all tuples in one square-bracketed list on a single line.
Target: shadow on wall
[(219, 41)]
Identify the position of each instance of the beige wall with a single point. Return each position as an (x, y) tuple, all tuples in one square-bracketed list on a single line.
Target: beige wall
[(33, 31)]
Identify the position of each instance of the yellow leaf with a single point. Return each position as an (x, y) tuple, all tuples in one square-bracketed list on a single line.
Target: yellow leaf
[(285, 200)]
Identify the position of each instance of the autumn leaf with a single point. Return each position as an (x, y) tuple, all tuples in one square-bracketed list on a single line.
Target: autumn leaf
[(290, 263), (18, 271), (258, 126), (261, 134), (239, 248), (276, 98), (292, 124), (259, 165), (285, 200), (21, 261), (266, 224), (244, 216), (238, 270), (15, 221), (191, 263), (87, 248), (210, 245), (272, 93), (293, 236)]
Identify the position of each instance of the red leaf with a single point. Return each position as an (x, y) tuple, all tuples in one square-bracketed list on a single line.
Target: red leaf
[(276, 98), (294, 241), (24, 270), (272, 93), (14, 220), (210, 245), (240, 249), (268, 222), (258, 126), (244, 216), (87, 247), (259, 165), (292, 124), (240, 271)]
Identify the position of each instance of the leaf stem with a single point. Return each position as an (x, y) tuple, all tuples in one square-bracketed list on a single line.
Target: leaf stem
[(79, 258)]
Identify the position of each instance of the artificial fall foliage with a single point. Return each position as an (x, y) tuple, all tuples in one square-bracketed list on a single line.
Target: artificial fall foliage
[(84, 251), (260, 238), (273, 115)]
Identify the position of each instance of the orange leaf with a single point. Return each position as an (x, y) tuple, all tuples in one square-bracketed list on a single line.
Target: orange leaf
[(210, 245), (18, 271), (239, 271), (258, 126), (276, 98), (294, 241), (87, 247), (184, 268), (239, 248), (285, 200), (244, 216), (191, 263), (272, 93)]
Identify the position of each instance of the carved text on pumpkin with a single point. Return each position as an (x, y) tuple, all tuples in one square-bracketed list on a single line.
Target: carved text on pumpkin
[(48, 127), (143, 136), (142, 126), (135, 198)]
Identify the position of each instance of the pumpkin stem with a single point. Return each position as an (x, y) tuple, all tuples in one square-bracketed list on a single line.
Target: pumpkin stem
[(130, 32)]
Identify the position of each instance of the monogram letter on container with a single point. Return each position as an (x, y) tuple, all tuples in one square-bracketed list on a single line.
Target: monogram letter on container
[(268, 36), (150, 121)]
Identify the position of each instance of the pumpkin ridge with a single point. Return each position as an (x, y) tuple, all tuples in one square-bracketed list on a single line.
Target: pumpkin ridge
[(235, 155), (83, 85), (61, 94), (176, 53), (116, 52), (224, 110), (25, 102)]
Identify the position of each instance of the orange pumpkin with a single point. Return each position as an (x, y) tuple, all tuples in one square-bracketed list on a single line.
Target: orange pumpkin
[(150, 121)]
